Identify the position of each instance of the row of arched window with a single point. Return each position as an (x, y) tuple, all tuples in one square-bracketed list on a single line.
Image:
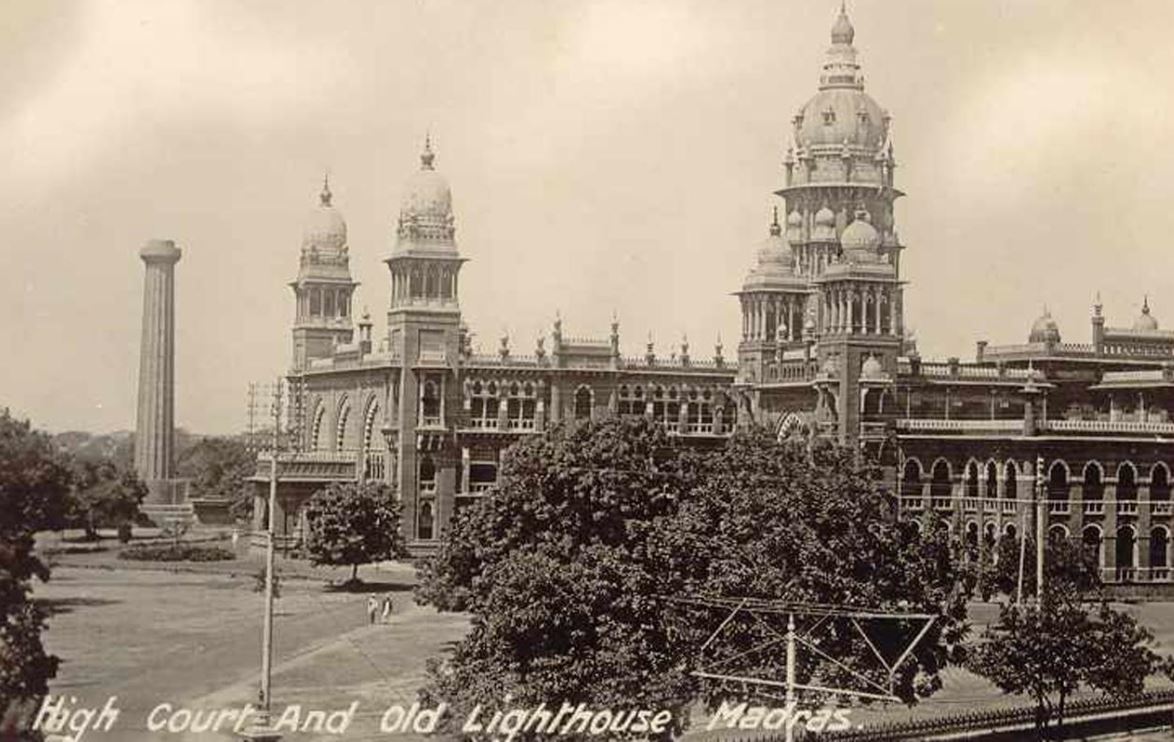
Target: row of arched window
[(1127, 545), (982, 481)]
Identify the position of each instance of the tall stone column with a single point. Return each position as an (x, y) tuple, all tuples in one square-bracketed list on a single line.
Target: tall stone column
[(155, 431)]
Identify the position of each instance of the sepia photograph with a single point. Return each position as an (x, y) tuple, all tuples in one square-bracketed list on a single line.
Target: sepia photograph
[(646, 370)]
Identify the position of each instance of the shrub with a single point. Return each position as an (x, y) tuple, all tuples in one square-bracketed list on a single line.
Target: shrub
[(176, 553)]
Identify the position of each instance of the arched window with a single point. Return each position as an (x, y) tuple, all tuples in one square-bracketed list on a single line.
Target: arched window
[(344, 414), (1090, 537), (1126, 482), (1009, 531), (992, 481), (972, 480), (1094, 488), (1159, 483), (424, 522), (427, 474), (1159, 547), (990, 536), (1057, 532), (372, 452), (972, 535), (430, 403), (328, 308), (1011, 481), (1126, 546), (316, 427), (583, 403), (939, 485), (1058, 487), (911, 480)]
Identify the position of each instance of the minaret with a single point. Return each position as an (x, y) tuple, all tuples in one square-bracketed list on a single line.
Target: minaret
[(324, 288), (155, 429), (424, 331)]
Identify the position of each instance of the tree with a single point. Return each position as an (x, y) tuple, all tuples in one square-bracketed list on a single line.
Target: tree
[(103, 495), (781, 521), (1068, 565), (555, 568), (34, 483), (568, 565), (354, 524), (218, 468), (1049, 653)]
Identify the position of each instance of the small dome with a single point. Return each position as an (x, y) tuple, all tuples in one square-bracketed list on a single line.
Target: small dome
[(1044, 329), (825, 225), (428, 194), (1145, 322), (325, 228), (860, 240), (871, 369), (860, 234), (776, 262)]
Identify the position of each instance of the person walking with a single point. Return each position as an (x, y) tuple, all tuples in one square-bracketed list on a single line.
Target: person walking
[(387, 609), (372, 608)]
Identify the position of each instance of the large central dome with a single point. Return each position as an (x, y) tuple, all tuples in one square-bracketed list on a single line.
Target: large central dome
[(841, 112)]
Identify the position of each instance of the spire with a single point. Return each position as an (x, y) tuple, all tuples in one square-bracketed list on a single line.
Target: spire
[(326, 195), (842, 31), (1145, 304), (775, 229), (426, 157)]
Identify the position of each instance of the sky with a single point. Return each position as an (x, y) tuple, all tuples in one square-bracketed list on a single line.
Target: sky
[(605, 156)]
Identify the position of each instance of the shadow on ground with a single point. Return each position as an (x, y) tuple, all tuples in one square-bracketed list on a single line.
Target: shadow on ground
[(54, 606), (363, 586)]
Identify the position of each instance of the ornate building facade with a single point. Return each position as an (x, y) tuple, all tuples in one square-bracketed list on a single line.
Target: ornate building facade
[(823, 352)]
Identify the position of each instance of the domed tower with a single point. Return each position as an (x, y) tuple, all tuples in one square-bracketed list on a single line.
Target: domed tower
[(324, 287), (424, 324), (773, 302), (841, 161)]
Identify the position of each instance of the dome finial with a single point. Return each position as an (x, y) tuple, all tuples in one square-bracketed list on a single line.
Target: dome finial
[(775, 229), (1145, 304), (842, 31), (426, 157), (326, 195)]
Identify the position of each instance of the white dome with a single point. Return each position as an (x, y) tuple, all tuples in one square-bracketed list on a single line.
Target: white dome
[(860, 240), (428, 195), (325, 228), (1145, 322)]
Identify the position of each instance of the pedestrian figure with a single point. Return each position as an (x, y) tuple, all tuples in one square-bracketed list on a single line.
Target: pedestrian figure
[(236, 535), (372, 608), (387, 609)]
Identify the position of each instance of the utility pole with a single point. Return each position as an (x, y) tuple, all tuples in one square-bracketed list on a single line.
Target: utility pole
[(1040, 516), (261, 729), (790, 735), (1022, 556)]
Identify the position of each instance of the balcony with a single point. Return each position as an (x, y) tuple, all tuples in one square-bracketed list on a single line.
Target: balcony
[(1008, 508), (1162, 508), (479, 488), (990, 506), (1094, 507), (935, 425), (1160, 574), (1127, 507), (1058, 507), (914, 503), (944, 504), (1108, 426), (970, 504)]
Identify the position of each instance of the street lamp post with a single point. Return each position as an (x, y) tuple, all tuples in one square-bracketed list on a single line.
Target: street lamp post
[(261, 729)]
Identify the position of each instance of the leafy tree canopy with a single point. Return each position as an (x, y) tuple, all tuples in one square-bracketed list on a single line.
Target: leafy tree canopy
[(34, 483), (218, 468), (567, 567), (1051, 653), (103, 494), (353, 524)]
